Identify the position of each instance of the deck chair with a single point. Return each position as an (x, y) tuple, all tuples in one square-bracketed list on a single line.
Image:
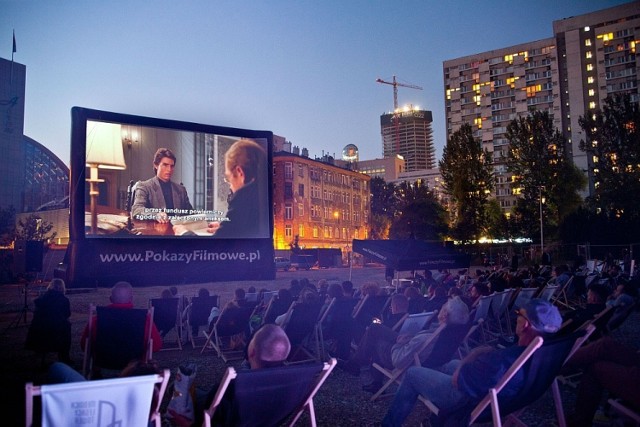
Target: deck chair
[(335, 324), (482, 311), (548, 292), (395, 375), (370, 307), (500, 312), (116, 402), (523, 297), (267, 397), (445, 342), (166, 316), (300, 324), (541, 362), (229, 333), (465, 346), (117, 336), (197, 314), (562, 296)]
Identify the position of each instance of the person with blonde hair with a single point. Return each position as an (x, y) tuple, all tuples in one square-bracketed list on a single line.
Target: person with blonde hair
[(50, 330)]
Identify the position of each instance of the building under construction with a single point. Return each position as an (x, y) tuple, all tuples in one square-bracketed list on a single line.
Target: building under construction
[(408, 133)]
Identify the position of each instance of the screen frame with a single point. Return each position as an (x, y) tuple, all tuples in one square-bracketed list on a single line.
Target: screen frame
[(80, 244)]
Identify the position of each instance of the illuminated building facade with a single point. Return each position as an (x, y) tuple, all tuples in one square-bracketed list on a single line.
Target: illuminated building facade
[(597, 57), (324, 205), (408, 133), (490, 89), (589, 58)]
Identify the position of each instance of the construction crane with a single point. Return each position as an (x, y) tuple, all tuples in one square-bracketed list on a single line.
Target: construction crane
[(395, 85), (396, 114)]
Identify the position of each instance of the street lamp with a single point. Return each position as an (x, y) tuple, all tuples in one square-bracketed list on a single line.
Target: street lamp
[(541, 222)]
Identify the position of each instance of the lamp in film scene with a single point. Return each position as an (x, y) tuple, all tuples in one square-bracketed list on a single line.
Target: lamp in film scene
[(104, 151)]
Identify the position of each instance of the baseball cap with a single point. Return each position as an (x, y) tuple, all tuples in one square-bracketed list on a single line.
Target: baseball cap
[(543, 315)]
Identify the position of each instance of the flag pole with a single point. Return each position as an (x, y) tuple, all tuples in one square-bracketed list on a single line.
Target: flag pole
[(13, 51)]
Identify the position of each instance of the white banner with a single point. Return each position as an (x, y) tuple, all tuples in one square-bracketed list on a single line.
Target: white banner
[(119, 402)]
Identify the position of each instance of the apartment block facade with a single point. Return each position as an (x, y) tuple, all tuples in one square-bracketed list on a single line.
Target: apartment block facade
[(569, 75), (318, 203)]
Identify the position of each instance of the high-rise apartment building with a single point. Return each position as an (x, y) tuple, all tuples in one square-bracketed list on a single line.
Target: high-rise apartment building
[(408, 133), (489, 89), (597, 57), (569, 75), (324, 205)]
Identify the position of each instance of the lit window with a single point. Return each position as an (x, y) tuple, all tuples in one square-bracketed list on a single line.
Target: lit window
[(589, 67), (592, 105), (592, 92), (590, 80), (587, 42), (588, 55), (587, 28)]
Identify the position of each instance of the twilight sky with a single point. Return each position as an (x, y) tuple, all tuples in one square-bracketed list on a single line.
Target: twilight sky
[(305, 69)]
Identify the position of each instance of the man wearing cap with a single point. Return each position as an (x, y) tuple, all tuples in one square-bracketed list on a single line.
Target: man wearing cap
[(458, 382)]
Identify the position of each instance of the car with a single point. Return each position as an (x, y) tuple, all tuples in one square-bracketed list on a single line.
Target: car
[(282, 263)]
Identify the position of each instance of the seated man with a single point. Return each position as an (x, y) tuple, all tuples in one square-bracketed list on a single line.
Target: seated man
[(268, 348), (624, 295), (122, 298), (457, 382), (596, 296)]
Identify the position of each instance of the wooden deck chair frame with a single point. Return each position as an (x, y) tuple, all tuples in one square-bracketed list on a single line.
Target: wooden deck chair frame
[(157, 304), (230, 374), (88, 358), (302, 346), (523, 296), (491, 399), (500, 312), (548, 292), (483, 311), (555, 387), (395, 375), (319, 330), (561, 296), (214, 338), (465, 347), (624, 410), (32, 391)]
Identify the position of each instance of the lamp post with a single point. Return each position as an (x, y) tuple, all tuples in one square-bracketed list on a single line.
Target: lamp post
[(541, 222)]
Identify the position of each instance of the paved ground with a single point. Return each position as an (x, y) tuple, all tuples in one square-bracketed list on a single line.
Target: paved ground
[(340, 403)]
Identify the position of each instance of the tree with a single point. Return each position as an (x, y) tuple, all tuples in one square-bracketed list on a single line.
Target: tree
[(7, 225), (540, 170), (467, 174), (419, 215), (383, 207), (34, 228), (613, 142)]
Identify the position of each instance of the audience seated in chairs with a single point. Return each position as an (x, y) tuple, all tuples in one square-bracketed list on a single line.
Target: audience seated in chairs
[(121, 299), (166, 316), (416, 300), (199, 312), (300, 323), (436, 298), (457, 381), (606, 365), (50, 329)]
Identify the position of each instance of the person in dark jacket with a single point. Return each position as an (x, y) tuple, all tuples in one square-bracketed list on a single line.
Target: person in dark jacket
[(50, 330)]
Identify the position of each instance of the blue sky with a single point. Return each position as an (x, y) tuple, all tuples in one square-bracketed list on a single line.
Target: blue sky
[(305, 70)]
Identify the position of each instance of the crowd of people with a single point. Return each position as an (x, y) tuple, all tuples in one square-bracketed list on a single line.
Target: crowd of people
[(605, 364)]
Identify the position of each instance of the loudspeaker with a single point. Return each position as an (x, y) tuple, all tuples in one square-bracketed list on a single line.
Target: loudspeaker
[(27, 256)]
